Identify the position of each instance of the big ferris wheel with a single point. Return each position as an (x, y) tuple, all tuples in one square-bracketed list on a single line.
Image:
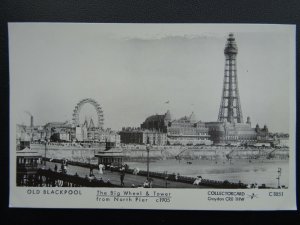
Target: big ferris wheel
[(79, 106)]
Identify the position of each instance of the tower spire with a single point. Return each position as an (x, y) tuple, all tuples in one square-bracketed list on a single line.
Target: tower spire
[(230, 107)]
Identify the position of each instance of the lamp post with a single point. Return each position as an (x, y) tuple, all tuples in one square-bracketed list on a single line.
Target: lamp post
[(166, 178), (278, 178), (148, 150), (45, 152)]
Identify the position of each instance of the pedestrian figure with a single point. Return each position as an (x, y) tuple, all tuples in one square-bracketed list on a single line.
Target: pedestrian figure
[(126, 167), (62, 168), (198, 180), (122, 175), (146, 184), (55, 168), (101, 167), (65, 168), (91, 171), (174, 176), (240, 183), (136, 171), (150, 182)]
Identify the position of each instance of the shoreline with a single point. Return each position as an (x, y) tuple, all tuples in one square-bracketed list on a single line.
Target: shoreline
[(139, 153)]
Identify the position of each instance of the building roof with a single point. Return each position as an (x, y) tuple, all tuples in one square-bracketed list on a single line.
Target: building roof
[(58, 124), (155, 118), (192, 118), (168, 115), (26, 152), (113, 152)]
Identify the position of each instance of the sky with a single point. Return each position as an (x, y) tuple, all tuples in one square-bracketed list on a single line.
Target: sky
[(132, 70)]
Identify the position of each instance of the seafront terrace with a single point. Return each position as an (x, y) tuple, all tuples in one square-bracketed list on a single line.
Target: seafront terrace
[(114, 177), (159, 180)]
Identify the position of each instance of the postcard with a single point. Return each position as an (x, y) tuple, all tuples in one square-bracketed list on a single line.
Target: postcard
[(152, 116)]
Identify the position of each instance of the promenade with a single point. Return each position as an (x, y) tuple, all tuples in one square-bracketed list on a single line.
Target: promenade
[(129, 180)]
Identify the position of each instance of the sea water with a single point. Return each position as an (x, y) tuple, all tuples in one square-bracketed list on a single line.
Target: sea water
[(235, 170)]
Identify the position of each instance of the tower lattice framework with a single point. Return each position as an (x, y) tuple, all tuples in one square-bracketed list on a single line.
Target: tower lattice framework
[(230, 107)]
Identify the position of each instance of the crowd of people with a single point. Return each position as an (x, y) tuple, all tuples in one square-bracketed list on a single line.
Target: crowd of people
[(63, 167), (148, 183)]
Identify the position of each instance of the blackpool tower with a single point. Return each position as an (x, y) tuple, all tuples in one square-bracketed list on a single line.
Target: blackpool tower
[(230, 107)]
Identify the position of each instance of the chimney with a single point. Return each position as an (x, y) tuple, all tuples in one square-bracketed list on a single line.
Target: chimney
[(31, 121)]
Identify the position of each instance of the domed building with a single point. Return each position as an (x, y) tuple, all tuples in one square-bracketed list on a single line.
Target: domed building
[(157, 122), (183, 131)]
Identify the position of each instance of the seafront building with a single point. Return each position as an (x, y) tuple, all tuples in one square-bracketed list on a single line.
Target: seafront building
[(142, 136), (71, 131), (65, 132), (186, 131), (226, 133), (163, 130)]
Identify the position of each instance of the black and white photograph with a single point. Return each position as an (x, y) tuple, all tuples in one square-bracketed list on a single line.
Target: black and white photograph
[(138, 114)]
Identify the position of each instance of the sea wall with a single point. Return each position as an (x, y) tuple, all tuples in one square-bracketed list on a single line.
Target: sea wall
[(72, 153), (208, 152), (139, 153)]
